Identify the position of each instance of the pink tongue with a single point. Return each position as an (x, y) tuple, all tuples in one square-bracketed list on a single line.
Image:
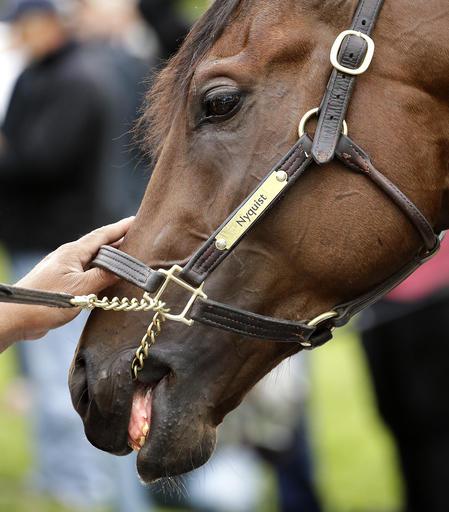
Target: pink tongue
[(140, 416)]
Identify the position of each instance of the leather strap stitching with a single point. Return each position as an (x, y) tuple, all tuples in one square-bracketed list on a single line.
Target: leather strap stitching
[(124, 270), (258, 330)]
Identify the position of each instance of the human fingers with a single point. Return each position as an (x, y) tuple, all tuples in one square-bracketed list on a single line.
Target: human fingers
[(93, 280), (88, 246), (117, 244)]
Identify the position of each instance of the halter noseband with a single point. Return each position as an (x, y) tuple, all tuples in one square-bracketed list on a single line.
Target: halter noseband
[(351, 56)]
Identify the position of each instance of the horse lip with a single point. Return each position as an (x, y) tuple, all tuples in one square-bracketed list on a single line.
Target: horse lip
[(148, 446), (149, 382), (153, 387)]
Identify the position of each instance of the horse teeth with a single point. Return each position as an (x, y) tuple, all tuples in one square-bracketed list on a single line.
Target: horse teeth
[(145, 429)]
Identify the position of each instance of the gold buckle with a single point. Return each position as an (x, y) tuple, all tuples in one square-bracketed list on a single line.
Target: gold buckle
[(308, 115), (366, 61), (171, 277)]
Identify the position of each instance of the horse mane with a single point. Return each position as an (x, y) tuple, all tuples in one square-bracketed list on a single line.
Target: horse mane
[(171, 84)]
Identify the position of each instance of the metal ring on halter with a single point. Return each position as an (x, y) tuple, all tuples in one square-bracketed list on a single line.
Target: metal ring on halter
[(315, 323), (308, 115), (322, 318)]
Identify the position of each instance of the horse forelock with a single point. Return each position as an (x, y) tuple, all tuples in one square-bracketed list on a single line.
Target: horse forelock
[(171, 84)]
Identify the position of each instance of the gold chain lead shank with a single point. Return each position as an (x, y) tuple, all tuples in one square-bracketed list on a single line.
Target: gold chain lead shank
[(142, 353)]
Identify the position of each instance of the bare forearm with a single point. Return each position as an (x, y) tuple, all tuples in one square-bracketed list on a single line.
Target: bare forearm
[(11, 325)]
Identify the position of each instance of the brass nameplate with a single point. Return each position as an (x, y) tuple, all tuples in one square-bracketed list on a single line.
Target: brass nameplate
[(251, 210)]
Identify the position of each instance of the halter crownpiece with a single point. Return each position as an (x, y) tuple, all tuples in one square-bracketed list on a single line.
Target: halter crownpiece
[(351, 56)]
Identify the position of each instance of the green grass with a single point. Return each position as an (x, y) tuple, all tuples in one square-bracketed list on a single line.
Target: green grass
[(13, 436)]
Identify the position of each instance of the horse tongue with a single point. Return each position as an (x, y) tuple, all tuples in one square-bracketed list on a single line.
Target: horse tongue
[(139, 422)]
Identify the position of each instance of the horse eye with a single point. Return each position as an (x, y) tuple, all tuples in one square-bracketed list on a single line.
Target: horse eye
[(221, 104)]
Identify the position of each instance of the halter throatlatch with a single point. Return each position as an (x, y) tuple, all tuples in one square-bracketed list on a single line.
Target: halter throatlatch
[(351, 56)]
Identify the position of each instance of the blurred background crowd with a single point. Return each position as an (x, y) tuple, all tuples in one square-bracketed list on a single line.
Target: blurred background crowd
[(360, 425)]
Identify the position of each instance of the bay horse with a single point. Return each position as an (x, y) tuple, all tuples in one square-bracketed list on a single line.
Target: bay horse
[(220, 115)]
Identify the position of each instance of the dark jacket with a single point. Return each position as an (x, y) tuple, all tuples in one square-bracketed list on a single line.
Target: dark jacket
[(55, 131)]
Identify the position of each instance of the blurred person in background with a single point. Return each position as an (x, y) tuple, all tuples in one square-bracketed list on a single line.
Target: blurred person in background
[(126, 50), (49, 149), (53, 144), (406, 341)]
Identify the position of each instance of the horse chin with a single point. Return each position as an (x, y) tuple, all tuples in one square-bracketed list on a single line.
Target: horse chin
[(157, 459), (179, 438)]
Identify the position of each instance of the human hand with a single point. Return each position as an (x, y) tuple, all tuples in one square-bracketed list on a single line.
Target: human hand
[(64, 270)]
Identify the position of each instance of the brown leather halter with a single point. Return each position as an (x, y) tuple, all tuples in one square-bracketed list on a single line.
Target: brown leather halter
[(351, 56)]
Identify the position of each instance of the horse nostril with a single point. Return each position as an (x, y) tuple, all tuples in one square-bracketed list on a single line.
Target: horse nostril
[(79, 387)]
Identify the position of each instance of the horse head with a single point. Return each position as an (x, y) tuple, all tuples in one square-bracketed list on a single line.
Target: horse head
[(221, 114)]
